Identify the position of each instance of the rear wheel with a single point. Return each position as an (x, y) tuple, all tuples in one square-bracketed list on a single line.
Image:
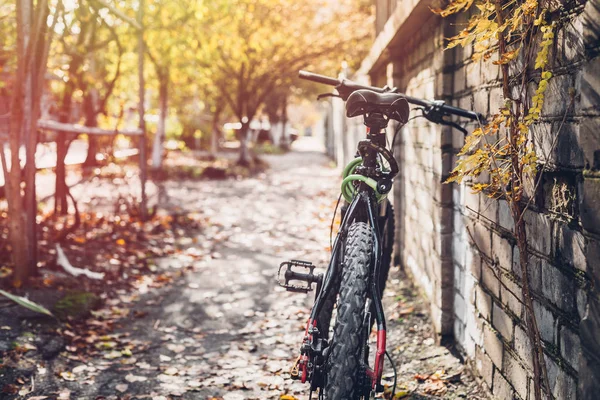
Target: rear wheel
[(344, 358)]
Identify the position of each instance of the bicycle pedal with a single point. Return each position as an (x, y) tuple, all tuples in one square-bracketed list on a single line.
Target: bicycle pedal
[(290, 275)]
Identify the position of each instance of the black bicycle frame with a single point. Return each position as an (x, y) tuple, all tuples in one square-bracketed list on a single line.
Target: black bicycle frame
[(363, 204)]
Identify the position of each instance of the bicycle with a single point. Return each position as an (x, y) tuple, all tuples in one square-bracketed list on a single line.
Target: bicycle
[(361, 253)]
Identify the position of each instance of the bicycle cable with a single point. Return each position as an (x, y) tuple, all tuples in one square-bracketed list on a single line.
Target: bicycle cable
[(399, 128), (333, 222), (395, 374)]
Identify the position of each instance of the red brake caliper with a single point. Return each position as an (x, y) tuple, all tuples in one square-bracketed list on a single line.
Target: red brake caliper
[(300, 368)]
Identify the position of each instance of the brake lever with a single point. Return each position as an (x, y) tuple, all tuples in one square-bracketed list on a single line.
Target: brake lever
[(434, 115), (324, 95)]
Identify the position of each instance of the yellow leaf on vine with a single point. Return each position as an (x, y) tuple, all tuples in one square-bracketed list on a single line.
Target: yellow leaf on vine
[(507, 57)]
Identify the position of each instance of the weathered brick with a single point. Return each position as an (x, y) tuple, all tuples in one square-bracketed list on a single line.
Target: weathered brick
[(558, 288), (459, 331), (571, 46), (572, 246), (502, 322), (489, 279), (459, 250), (485, 366), (516, 267), (570, 347), (582, 300), (535, 274), (589, 83), (511, 300), (493, 346), (459, 277), (562, 385), (502, 389), (589, 139), (460, 309), (590, 204), (471, 203), (516, 374), (473, 71), (546, 322), (474, 266), (489, 74), (489, 209), (496, 100), (481, 97), (539, 231), (589, 22), (460, 80), (523, 346), (483, 302), (558, 88), (563, 151), (505, 216), (503, 252), (482, 237)]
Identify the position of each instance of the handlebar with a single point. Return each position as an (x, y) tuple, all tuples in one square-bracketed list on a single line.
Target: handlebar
[(319, 78), (345, 87)]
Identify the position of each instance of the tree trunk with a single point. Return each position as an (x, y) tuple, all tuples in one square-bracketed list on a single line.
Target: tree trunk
[(90, 159), (157, 148), (36, 72), (60, 196), (90, 104), (16, 222), (244, 159), (214, 137), (284, 143), (61, 206)]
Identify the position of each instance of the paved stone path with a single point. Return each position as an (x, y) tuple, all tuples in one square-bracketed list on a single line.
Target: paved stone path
[(224, 329)]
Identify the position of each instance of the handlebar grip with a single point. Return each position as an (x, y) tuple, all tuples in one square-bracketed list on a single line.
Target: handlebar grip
[(319, 78), (462, 113)]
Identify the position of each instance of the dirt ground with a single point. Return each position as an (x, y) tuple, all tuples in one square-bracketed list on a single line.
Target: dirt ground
[(224, 329)]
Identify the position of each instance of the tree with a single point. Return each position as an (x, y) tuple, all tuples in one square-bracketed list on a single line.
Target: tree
[(255, 47), (88, 56), (169, 53), (33, 39)]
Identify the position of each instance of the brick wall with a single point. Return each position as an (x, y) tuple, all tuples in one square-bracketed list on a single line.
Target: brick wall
[(460, 247)]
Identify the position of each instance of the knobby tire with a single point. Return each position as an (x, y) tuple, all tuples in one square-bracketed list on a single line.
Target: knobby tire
[(346, 346)]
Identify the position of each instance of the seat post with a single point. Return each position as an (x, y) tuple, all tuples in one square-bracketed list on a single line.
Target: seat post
[(377, 123)]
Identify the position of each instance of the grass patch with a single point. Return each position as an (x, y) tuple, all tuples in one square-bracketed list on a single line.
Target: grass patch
[(76, 305)]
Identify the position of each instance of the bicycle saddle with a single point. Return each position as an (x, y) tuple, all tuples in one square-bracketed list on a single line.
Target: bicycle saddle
[(392, 105)]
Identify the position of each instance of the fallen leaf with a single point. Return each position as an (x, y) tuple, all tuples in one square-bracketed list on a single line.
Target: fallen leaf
[(406, 311), (112, 355), (176, 348), (435, 388), (67, 376), (122, 387), (133, 378), (65, 394), (79, 368)]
